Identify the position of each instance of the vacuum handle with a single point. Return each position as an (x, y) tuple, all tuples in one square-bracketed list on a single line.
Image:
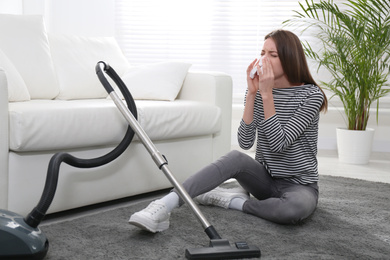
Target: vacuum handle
[(99, 68)]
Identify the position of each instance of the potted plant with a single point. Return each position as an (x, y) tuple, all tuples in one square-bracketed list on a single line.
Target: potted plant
[(355, 49)]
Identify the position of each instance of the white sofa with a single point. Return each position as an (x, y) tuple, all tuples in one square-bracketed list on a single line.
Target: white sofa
[(51, 101)]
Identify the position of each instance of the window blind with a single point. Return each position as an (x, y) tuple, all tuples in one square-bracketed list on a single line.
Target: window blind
[(211, 35)]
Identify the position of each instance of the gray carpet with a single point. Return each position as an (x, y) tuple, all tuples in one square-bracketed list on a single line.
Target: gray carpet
[(352, 221)]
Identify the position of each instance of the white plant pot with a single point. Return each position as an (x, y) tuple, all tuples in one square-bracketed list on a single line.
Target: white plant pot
[(354, 146)]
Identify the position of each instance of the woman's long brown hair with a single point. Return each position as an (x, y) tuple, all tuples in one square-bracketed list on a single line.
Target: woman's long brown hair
[(293, 60)]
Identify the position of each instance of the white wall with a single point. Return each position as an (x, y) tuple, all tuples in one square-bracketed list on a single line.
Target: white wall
[(79, 17), (11, 6)]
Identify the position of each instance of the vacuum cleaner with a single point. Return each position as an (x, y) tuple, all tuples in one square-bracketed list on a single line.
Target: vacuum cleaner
[(218, 248), (21, 238)]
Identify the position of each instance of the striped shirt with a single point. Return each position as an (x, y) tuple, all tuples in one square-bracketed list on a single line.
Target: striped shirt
[(287, 141)]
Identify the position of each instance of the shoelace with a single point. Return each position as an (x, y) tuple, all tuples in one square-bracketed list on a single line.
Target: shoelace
[(216, 200), (154, 208)]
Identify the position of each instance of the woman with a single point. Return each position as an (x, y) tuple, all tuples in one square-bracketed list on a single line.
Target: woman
[(282, 106)]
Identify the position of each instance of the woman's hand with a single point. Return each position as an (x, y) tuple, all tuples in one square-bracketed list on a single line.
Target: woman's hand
[(253, 84), (265, 78), (263, 82)]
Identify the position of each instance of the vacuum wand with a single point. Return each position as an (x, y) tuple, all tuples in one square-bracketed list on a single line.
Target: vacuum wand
[(161, 162)]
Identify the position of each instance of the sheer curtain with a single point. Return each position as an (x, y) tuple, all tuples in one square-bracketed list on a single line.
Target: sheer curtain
[(211, 35)]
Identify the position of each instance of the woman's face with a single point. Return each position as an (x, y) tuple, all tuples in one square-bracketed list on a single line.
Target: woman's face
[(270, 51)]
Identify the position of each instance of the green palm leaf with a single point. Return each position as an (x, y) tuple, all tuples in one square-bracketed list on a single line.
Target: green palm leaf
[(355, 50)]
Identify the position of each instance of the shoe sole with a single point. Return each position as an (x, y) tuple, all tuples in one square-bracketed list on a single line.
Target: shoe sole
[(148, 226)]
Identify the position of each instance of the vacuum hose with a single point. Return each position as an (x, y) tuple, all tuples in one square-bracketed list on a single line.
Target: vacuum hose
[(37, 214)]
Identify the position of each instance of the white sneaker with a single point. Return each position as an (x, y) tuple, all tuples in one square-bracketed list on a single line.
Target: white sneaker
[(221, 197), (154, 218)]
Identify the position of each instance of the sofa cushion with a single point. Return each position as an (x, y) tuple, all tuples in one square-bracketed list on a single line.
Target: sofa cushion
[(75, 59), (20, 34), (157, 81), (39, 125), (164, 120), (17, 89)]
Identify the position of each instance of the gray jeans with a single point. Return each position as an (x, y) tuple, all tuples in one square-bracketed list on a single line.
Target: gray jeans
[(277, 200)]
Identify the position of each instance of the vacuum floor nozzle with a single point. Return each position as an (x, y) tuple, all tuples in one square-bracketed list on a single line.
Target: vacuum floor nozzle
[(221, 249)]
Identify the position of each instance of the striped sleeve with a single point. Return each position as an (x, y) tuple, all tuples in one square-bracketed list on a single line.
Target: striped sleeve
[(246, 135)]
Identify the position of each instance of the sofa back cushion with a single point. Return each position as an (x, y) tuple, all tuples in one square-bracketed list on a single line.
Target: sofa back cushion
[(75, 59), (24, 41), (17, 89), (156, 81)]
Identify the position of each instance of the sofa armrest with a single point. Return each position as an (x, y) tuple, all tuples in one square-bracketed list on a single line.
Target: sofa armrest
[(3, 140), (214, 88)]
